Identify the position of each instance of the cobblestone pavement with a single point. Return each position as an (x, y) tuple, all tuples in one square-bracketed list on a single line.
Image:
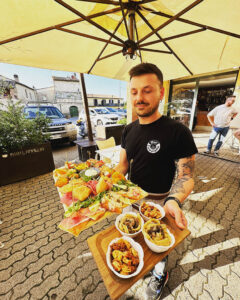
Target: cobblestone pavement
[(39, 261)]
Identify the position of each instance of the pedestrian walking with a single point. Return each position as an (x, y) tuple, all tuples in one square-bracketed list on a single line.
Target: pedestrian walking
[(220, 118)]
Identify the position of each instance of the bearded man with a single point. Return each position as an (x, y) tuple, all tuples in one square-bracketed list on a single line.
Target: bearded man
[(152, 148)]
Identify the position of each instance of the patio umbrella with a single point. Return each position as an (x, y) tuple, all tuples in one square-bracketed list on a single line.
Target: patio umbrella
[(108, 37), (182, 37)]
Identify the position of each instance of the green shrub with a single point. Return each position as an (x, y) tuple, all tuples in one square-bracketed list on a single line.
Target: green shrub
[(17, 132), (122, 121)]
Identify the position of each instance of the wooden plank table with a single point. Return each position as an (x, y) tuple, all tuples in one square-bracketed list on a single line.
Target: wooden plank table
[(115, 285)]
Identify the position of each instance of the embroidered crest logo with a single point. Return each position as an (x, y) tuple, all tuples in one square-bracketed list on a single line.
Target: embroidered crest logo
[(153, 146)]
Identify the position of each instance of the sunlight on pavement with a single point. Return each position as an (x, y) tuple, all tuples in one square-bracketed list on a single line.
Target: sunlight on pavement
[(200, 254), (85, 255), (203, 196)]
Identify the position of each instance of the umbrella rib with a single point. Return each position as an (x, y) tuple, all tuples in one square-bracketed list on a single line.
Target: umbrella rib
[(170, 49), (56, 26), (89, 36), (120, 22), (102, 1), (194, 23), (174, 37), (109, 55), (124, 19), (173, 18), (155, 50), (135, 24), (149, 25), (88, 20)]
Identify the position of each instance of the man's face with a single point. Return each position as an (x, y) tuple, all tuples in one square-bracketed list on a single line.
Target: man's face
[(146, 93), (230, 101)]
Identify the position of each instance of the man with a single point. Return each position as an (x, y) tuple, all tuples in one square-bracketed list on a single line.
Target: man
[(150, 147), (220, 118)]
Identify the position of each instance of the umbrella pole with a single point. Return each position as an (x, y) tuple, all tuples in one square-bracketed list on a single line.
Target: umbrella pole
[(85, 100)]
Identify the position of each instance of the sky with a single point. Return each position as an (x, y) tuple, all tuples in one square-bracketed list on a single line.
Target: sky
[(40, 78)]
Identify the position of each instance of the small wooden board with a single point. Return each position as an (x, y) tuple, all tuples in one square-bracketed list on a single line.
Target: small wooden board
[(98, 245)]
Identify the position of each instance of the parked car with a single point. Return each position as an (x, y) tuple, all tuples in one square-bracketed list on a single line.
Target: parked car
[(120, 112), (99, 116), (60, 128)]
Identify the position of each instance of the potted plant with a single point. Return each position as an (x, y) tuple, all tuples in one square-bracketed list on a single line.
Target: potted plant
[(24, 148)]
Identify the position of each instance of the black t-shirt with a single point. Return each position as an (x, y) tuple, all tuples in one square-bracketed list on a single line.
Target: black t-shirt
[(152, 150)]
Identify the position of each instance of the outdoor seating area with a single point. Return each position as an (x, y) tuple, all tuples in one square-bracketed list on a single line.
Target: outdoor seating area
[(37, 258), (125, 187)]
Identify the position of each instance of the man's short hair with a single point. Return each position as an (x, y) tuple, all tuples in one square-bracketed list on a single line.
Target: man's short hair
[(146, 68), (228, 97)]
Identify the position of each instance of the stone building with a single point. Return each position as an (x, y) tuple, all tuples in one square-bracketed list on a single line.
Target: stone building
[(18, 90)]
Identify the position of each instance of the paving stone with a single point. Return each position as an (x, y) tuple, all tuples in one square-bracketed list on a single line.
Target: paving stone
[(6, 286), (36, 245), (215, 284), (42, 234), (20, 289), (50, 247), (5, 263), (64, 287), (21, 245), (56, 264), (63, 249), (38, 292), (40, 264), (22, 264)]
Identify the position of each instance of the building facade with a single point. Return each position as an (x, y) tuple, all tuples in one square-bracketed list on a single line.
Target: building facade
[(18, 90)]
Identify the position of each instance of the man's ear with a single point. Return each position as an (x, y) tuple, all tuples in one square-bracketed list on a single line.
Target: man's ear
[(162, 93)]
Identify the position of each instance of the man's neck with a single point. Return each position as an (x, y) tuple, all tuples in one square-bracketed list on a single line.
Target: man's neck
[(150, 119)]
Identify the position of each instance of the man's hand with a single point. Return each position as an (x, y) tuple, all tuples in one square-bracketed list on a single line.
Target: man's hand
[(175, 211)]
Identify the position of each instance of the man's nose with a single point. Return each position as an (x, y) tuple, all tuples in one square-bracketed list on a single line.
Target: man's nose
[(139, 97)]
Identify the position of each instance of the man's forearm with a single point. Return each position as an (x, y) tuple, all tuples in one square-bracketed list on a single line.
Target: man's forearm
[(184, 183), (122, 169), (182, 188), (211, 120)]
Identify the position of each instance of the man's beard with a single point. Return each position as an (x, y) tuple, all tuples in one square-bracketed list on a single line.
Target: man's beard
[(146, 113)]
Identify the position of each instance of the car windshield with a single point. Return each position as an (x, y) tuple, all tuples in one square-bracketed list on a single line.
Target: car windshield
[(50, 112), (122, 110), (102, 111), (112, 110)]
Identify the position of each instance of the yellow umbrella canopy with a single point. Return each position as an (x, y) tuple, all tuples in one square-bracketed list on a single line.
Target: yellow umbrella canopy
[(108, 37)]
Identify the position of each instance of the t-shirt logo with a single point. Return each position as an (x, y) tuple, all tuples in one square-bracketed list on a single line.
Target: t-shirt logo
[(153, 146)]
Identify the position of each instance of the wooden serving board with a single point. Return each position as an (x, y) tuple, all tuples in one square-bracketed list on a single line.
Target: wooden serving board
[(98, 245)]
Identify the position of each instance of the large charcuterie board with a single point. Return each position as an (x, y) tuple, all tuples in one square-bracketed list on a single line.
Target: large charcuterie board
[(90, 192)]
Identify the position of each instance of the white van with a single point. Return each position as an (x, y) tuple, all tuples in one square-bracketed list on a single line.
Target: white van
[(99, 116)]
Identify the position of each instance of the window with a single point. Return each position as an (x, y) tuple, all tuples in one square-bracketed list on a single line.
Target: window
[(26, 93)]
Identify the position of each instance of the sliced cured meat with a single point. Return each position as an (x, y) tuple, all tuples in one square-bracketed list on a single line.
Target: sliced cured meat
[(75, 219), (92, 185), (67, 199)]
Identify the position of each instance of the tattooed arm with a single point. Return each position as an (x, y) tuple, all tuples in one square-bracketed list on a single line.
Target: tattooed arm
[(181, 189)]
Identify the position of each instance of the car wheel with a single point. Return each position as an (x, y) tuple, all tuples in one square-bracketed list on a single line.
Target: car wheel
[(99, 122)]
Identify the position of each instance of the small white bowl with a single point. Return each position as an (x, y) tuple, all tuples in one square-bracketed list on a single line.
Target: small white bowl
[(131, 235), (159, 207), (159, 249), (136, 246)]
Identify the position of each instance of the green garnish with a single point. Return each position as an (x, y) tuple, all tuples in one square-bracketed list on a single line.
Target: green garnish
[(83, 204)]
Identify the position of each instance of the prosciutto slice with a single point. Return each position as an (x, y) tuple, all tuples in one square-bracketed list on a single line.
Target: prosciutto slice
[(67, 199), (75, 219)]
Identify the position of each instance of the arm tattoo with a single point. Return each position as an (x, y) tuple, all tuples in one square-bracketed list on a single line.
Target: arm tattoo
[(185, 168), (178, 186)]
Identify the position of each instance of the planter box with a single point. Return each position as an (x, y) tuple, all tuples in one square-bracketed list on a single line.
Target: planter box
[(26, 163)]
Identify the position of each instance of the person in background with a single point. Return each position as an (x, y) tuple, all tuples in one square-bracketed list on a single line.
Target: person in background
[(220, 118), (152, 148)]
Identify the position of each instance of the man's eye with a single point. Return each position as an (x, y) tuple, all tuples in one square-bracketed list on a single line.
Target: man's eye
[(147, 91)]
